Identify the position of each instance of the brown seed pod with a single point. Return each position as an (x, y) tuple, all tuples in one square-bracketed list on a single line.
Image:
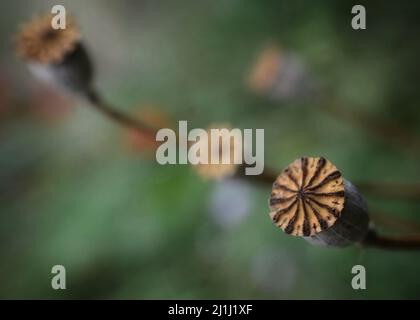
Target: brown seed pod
[(220, 170), (311, 199), (265, 69), (38, 42), (74, 74), (55, 56), (280, 75)]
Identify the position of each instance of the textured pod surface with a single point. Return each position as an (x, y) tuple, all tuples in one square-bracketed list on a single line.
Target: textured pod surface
[(307, 197), (74, 73), (351, 227), (38, 42)]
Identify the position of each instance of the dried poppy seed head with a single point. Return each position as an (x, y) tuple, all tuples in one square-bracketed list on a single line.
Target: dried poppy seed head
[(311, 199), (38, 42), (307, 197), (218, 171), (55, 56), (280, 75), (264, 71)]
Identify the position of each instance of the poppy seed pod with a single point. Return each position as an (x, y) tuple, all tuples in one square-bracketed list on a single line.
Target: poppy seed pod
[(55, 55), (311, 199), (280, 75), (74, 73), (218, 171)]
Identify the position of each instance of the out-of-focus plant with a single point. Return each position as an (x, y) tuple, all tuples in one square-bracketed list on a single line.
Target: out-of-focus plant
[(299, 204)]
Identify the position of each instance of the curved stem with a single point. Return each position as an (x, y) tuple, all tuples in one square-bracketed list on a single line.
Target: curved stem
[(98, 103)]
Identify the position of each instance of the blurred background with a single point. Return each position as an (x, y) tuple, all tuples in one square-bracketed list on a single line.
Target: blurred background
[(77, 190)]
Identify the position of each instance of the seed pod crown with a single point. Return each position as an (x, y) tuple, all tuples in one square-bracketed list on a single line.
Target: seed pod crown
[(307, 197), (38, 42)]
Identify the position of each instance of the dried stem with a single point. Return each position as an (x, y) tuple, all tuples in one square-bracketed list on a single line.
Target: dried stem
[(121, 118)]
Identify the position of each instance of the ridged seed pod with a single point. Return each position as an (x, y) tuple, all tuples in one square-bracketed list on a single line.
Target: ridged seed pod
[(56, 56), (311, 199)]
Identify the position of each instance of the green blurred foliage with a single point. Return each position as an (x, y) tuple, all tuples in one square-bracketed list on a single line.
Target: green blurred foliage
[(125, 227)]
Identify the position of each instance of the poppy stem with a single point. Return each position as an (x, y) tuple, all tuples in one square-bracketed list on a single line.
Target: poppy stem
[(119, 117)]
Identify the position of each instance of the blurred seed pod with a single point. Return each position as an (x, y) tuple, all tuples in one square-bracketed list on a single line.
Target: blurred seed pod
[(230, 202), (220, 170), (311, 199), (56, 56), (135, 140), (280, 75)]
